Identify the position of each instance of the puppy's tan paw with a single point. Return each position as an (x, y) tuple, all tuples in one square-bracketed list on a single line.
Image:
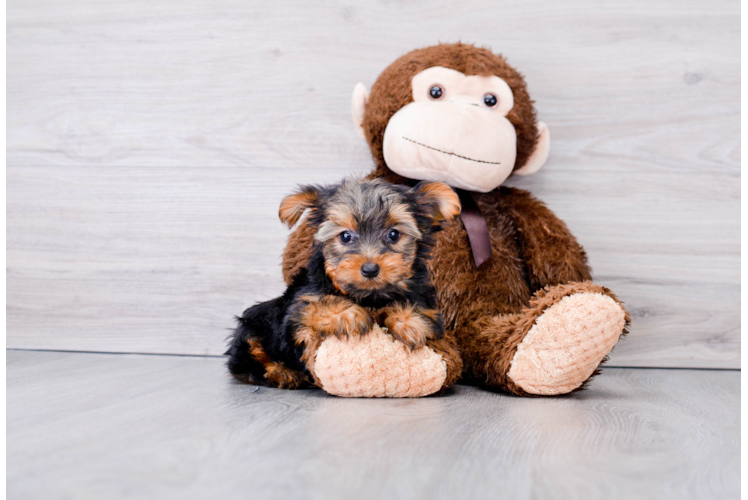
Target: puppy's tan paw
[(284, 378), (333, 316), (408, 326)]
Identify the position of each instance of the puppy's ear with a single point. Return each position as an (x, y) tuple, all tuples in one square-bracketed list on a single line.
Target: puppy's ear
[(292, 207), (440, 199)]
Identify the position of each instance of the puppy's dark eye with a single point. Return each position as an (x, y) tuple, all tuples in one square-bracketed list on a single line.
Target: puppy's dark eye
[(436, 92), (490, 100), (393, 235), (345, 237)]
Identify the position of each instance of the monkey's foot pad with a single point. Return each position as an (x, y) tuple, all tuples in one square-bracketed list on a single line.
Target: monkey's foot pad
[(377, 366), (567, 343)]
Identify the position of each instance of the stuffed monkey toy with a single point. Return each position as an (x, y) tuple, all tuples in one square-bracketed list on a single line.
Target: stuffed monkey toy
[(512, 283)]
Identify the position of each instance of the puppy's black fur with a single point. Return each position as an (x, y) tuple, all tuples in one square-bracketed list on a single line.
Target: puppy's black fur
[(390, 227)]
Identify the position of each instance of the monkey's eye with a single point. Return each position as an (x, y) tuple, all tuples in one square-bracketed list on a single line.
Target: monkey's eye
[(393, 235), (436, 92), (346, 237), (490, 100)]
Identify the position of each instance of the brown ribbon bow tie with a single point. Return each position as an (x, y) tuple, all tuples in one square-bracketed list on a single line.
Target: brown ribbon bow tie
[(475, 225)]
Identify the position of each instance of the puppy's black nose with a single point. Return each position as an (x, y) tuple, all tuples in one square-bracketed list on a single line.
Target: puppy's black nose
[(370, 270)]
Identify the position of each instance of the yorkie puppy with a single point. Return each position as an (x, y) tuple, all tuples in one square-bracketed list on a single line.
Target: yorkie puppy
[(368, 267)]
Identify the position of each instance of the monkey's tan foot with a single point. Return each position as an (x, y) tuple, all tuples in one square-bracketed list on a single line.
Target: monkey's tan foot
[(568, 341), (376, 365)]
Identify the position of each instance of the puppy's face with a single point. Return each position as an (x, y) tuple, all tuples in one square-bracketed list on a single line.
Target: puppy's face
[(370, 236), (369, 230)]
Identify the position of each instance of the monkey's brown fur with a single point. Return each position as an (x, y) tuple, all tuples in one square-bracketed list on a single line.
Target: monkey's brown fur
[(535, 261), (392, 91)]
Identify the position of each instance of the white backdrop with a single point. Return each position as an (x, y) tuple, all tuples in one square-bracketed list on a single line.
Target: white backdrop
[(150, 142)]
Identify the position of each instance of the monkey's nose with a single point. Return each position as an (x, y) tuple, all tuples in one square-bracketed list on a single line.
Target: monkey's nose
[(464, 99), (370, 270)]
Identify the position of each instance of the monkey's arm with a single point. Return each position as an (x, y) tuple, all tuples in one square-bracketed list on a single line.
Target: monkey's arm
[(551, 253), (298, 250)]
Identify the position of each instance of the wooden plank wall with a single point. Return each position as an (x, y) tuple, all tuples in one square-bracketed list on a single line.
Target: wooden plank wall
[(149, 143)]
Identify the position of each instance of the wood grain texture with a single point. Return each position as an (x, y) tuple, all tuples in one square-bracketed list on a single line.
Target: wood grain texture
[(130, 426), (149, 143)]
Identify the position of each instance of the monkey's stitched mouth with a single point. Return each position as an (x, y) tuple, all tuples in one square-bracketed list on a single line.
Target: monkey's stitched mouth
[(452, 154)]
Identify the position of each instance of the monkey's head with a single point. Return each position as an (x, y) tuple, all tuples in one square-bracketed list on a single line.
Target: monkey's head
[(452, 113)]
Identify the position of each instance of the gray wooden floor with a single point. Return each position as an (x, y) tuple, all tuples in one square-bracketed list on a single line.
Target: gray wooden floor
[(142, 426)]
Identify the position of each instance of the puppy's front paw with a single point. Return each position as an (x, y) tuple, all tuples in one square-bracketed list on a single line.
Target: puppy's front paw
[(338, 317), (351, 321), (412, 328)]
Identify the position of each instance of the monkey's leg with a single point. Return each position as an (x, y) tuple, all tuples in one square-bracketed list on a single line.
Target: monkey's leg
[(552, 347), (376, 365), (373, 364), (447, 348)]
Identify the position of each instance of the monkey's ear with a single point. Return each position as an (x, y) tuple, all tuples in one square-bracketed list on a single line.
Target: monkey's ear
[(358, 106), (440, 199), (292, 207), (540, 154)]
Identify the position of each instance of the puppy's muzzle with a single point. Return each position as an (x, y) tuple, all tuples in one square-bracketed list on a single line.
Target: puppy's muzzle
[(370, 270)]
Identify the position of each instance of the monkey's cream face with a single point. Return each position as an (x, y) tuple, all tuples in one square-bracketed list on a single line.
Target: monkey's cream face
[(455, 131)]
